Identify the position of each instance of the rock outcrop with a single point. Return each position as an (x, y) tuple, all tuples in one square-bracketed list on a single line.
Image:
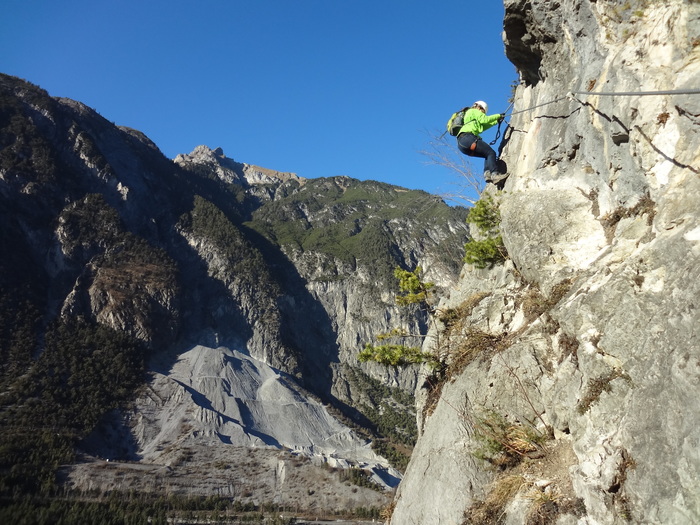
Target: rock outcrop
[(571, 392)]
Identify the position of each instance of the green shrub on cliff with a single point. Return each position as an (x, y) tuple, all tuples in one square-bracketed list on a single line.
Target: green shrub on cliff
[(414, 291), (488, 250)]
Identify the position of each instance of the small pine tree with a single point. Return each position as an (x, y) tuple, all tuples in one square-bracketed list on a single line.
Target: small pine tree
[(414, 291), (489, 250), (484, 253)]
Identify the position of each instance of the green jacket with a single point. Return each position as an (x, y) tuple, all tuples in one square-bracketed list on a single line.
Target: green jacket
[(477, 122)]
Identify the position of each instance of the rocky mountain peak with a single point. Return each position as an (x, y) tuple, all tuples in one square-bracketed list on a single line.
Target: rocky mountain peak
[(232, 172)]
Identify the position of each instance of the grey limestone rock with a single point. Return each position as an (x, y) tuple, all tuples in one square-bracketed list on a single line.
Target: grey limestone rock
[(596, 309)]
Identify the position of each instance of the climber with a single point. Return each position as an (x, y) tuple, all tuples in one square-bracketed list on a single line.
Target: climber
[(470, 143)]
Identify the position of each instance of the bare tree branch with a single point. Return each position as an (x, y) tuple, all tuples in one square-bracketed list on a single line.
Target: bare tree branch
[(442, 151)]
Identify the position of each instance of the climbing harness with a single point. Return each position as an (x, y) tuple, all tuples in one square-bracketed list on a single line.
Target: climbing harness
[(472, 146)]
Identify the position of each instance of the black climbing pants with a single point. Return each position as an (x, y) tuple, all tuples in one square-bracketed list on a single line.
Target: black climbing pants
[(473, 146)]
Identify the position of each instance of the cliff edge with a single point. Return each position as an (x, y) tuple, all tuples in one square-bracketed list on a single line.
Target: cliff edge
[(573, 368)]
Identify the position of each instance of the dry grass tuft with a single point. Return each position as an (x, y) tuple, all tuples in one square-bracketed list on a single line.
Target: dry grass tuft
[(387, 512), (454, 318), (596, 386), (534, 302), (476, 344), (503, 444), (569, 348), (645, 206), (490, 510)]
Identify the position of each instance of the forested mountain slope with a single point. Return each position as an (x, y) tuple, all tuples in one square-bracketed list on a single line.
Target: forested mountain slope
[(154, 310)]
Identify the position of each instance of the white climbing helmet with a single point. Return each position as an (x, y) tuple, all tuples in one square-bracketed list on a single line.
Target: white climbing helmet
[(482, 104)]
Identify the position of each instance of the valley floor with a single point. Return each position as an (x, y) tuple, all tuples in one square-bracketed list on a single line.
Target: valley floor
[(259, 476)]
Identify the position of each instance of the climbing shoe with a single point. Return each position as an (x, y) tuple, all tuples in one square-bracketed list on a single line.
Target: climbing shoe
[(495, 178)]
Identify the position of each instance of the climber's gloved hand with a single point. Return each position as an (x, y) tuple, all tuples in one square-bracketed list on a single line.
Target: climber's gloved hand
[(501, 117)]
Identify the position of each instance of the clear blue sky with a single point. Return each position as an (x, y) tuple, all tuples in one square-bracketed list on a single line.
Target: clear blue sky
[(314, 87)]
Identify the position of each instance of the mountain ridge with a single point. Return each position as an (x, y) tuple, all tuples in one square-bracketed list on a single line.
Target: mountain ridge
[(109, 239)]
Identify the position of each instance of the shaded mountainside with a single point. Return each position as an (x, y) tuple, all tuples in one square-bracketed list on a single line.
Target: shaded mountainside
[(118, 263), (571, 388)]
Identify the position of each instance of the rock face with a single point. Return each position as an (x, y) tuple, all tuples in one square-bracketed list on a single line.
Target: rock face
[(592, 354)]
